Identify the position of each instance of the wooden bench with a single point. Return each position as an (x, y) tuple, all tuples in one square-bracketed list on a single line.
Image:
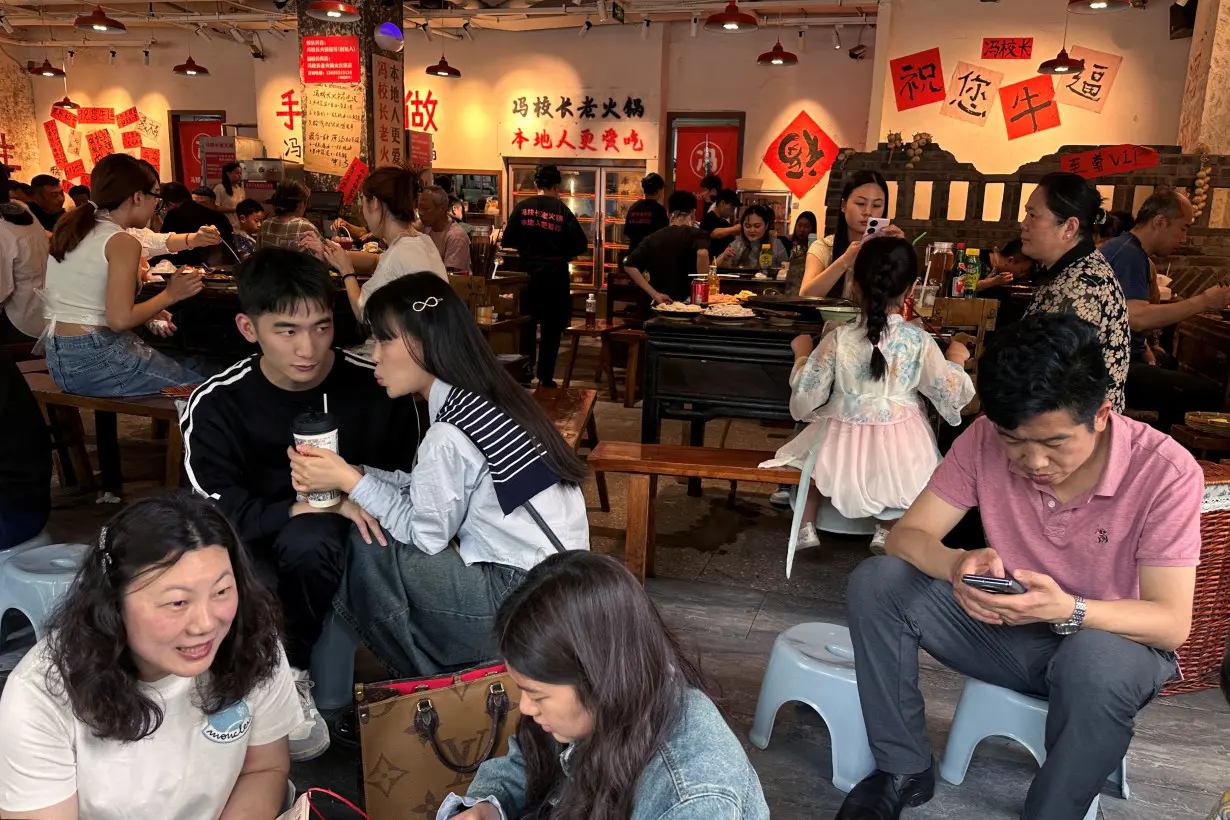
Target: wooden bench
[(571, 409), (645, 462), (63, 412)]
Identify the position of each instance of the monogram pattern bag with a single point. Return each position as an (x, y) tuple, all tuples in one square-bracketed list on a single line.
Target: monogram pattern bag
[(425, 738)]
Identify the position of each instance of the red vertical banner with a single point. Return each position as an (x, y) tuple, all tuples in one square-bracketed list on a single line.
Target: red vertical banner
[(352, 180), (53, 140), (701, 150), (188, 157), (100, 145), (154, 157)]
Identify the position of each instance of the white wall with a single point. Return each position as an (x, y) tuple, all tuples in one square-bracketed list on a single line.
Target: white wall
[(1143, 107), (273, 77)]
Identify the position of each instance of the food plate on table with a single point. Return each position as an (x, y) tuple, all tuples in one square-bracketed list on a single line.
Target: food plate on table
[(781, 318), (729, 313), (810, 308), (678, 311), (1205, 422)]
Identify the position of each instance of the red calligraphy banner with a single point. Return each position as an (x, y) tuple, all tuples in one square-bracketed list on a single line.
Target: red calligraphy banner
[(132, 139), (75, 169), (53, 140), (96, 116), (64, 115), (918, 79), (1007, 48), (352, 180), (330, 59), (154, 157), (801, 155), (1109, 159), (1029, 106), (127, 118), (100, 145)]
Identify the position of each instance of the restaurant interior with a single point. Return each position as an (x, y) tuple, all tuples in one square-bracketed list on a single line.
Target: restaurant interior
[(962, 110)]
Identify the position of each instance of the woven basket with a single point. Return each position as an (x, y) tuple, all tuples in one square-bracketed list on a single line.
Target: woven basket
[(1217, 424), (1201, 656)]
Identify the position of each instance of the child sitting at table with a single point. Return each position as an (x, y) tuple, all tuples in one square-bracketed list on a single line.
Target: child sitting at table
[(860, 391)]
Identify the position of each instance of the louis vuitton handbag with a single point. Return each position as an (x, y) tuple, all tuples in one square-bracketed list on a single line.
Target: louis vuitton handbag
[(424, 738)]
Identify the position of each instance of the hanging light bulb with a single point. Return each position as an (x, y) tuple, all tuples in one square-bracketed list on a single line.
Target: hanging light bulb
[(1062, 63), (98, 21)]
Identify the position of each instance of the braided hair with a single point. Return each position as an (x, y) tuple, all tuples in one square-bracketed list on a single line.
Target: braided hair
[(883, 270)]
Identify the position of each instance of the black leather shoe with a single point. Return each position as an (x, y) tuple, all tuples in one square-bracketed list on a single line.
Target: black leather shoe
[(882, 796)]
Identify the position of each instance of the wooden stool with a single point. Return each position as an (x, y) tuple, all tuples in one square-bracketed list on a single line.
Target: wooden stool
[(602, 330), (1200, 444), (635, 340)]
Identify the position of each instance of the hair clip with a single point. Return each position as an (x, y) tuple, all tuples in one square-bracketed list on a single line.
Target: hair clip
[(429, 302), (104, 554)]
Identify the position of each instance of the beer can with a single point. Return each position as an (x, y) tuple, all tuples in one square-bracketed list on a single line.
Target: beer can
[(700, 292)]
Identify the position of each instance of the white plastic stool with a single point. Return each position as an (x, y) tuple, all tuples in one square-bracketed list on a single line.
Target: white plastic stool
[(814, 664), (986, 710), (33, 581), (830, 520), (333, 664), (40, 540)]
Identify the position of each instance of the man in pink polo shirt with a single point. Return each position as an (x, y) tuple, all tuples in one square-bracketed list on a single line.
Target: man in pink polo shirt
[(1095, 515)]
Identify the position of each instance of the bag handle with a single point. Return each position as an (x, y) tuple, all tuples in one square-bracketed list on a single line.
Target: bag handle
[(542, 525), (427, 721)]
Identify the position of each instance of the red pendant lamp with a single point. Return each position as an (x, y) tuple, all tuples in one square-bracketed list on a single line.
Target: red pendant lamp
[(98, 21), (443, 69), (777, 56), (47, 70), (731, 19), (191, 69), (66, 103), (332, 11), (1062, 63)]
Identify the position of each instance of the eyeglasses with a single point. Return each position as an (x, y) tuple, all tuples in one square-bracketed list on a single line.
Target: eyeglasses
[(429, 302)]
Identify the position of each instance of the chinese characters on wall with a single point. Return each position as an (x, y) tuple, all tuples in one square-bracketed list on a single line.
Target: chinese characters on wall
[(1090, 88), (971, 92), (918, 79), (801, 155), (1109, 159), (387, 110), (586, 107), (330, 60), (332, 128), (1007, 48), (1029, 106)]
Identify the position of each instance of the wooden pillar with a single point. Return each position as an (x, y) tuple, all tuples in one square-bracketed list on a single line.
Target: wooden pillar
[(1205, 114)]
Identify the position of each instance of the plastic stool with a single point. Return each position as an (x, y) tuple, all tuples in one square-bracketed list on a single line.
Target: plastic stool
[(40, 540), (333, 664), (829, 519), (33, 581), (985, 710), (814, 664)]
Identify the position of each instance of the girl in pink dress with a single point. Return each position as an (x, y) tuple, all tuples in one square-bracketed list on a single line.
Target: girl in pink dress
[(860, 391)]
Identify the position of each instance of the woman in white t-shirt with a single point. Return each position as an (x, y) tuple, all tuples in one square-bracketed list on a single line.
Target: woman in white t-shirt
[(387, 199), (161, 690), (229, 192), (830, 259)]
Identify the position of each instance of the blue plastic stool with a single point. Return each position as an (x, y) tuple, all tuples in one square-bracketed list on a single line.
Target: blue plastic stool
[(814, 664), (33, 580), (333, 664), (986, 710)]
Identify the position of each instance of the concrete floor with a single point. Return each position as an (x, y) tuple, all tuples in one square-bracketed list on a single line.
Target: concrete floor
[(721, 586)]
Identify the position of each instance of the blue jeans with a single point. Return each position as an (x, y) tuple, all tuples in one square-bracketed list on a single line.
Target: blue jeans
[(106, 364)]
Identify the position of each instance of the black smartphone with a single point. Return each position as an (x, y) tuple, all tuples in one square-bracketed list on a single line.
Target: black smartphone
[(998, 586)]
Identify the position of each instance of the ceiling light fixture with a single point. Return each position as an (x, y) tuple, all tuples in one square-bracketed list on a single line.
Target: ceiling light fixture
[(47, 70), (191, 69), (837, 38), (113, 55), (802, 41), (731, 19), (443, 69), (1062, 63), (98, 21), (332, 11), (426, 32), (145, 52), (585, 27), (71, 55), (645, 30), (695, 23), (469, 35), (601, 11), (4, 22), (1097, 6), (203, 32), (66, 103), (777, 56), (236, 35)]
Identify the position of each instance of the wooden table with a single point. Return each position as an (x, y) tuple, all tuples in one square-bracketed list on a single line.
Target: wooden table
[(1199, 443), (601, 330), (1202, 346), (572, 411)]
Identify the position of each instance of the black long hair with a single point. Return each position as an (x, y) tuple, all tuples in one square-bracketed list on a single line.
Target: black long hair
[(90, 660), (883, 270), (810, 217), (10, 211), (1069, 196), (557, 628), (226, 177), (455, 351), (841, 238)]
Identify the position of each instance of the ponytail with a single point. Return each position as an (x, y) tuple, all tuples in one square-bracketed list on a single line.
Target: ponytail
[(113, 181), (883, 270), (71, 229)]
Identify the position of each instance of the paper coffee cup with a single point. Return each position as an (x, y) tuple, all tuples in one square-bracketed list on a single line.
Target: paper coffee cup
[(318, 430)]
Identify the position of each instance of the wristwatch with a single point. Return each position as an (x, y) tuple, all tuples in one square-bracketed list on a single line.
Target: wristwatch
[(1073, 624)]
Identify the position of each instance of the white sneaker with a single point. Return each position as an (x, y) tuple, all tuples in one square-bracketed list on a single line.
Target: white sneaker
[(877, 541), (781, 498), (310, 739), (808, 537)]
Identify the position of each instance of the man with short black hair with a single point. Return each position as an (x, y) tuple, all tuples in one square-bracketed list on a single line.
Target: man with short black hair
[(710, 186), (1160, 229), (79, 194), (204, 196), (187, 216), (647, 214), (672, 254), (237, 430), (47, 201), (720, 222), (1097, 516)]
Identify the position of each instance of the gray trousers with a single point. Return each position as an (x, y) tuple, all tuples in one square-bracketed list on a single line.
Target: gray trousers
[(1095, 681), (422, 614)]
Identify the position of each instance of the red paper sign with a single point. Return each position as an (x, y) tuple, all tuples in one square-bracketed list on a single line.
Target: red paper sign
[(330, 59), (67, 185), (75, 169), (127, 118), (352, 180), (918, 79), (1029, 106), (801, 155), (154, 157), (96, 116), (1109, 159), (420, 148), (132, 139), (53, 139), (100, 145), (704, 150), (64, 115), (1007, 48)]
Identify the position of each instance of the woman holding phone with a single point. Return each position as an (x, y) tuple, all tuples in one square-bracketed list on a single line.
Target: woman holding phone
[(864, 197)]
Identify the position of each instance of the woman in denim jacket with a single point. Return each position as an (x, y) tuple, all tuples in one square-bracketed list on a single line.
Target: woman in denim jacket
[(615, 722)]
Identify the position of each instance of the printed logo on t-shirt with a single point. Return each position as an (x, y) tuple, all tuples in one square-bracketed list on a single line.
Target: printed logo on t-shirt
[(1103, 537), (228, 725)]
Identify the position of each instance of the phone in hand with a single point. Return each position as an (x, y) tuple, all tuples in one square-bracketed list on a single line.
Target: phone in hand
[(997, 586), (876, 226)]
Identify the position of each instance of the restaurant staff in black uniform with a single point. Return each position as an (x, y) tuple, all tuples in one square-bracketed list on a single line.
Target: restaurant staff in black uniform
[(646, 215), (547, 236)]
